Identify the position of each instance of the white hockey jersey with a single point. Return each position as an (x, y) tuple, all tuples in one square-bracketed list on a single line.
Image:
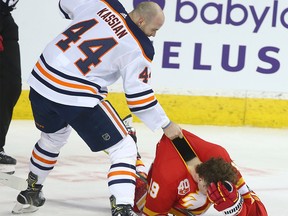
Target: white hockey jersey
[(100, 45)]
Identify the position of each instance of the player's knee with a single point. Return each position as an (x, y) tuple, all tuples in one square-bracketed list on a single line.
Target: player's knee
[(53, 142), (123, 151)]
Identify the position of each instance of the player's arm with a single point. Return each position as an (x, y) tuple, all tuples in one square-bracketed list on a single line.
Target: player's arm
[(141, 99), (252, 204)]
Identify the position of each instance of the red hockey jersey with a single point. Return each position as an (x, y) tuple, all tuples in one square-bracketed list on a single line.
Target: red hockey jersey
[(173, 190)]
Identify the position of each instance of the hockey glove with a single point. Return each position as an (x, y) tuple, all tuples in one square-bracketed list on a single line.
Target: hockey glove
[(1, 44), (225, 198)]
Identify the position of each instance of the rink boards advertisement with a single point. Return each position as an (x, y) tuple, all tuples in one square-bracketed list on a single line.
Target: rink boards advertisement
[(212, 46), (203, 46), (218, 62)]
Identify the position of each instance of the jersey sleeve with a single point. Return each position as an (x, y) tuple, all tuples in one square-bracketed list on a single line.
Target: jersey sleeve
[(139, 94), (252, 204), (69, 8), (253, 207)]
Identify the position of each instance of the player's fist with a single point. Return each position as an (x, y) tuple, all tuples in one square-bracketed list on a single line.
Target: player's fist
[(225, 198), (1, 43)]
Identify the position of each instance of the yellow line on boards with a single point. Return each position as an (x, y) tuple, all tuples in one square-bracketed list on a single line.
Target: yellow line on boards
[(198, 110)]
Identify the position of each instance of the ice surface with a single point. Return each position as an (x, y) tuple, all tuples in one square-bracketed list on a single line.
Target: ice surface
[(77, 185)]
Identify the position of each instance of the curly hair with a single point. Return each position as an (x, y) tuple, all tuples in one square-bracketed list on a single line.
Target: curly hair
[(217, 169)]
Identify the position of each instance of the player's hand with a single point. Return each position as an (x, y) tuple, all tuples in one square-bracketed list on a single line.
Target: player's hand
[(1, 43), (10, 4), (173, 131), (225, 198)]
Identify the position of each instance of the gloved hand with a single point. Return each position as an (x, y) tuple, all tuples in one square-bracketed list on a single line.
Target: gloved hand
[(1, 43), (9, 4), (225, 198)]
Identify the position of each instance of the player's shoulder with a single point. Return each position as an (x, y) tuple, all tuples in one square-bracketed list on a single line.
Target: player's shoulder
[(138, 35)]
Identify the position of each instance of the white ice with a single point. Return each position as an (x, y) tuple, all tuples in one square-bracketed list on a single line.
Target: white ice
[(77, 185)]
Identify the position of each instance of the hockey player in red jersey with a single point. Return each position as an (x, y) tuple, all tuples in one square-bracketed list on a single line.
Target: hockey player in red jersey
[(190, 175)]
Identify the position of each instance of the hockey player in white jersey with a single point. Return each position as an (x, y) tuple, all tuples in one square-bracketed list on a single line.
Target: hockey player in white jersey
[(69, 85)]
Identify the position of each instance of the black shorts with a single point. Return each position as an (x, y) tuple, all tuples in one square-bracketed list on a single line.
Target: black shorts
[(100, 127)]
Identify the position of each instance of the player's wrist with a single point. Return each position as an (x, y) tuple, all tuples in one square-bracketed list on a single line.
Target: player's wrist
[(166, 125), (236, 208)]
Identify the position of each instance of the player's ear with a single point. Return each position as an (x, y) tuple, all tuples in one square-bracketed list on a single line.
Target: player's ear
[(140, 21)]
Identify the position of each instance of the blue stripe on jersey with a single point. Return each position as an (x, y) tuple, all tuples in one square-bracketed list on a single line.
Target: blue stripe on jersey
[(117, 6), (42, 151), (86, 82), (137, 109), (39, 166), (145, 42), (120, 181), (123, 165), (61, 91), (140, 94)]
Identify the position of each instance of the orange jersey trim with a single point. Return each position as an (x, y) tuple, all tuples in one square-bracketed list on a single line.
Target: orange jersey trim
[(138, 102), (115, 119), (60, 82)]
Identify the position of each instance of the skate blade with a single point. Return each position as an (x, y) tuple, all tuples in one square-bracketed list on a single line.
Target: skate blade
[(23, 208), (7, 168)]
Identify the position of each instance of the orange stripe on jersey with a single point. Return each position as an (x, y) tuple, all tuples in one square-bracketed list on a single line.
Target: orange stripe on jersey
[(120, 124), (42, 159), (138, 102), (115, 173), (60, 82), (124, 22)]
